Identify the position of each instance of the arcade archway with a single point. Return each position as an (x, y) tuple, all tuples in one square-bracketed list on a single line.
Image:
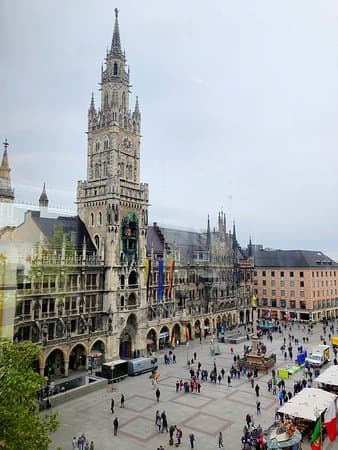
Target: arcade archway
[(164, 339), (151, 341), (78, 358), (197, 328), (127, 338), (55, 364), (176, 334)]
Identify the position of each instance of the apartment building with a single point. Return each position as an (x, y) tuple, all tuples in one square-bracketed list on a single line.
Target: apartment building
[(299, 283)]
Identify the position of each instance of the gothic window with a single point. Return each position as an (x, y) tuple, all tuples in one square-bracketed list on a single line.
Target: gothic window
[(122, 281), (123, 99), (100, 218), (105, 171), (125, 124), (105, 144), (97, 146), (92, 219), (97, 241), (115, 69), (132, 280), (97, 171)]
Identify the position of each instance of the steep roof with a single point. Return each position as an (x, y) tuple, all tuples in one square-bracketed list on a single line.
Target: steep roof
[(188, 242), (292, 258), (72, 225)]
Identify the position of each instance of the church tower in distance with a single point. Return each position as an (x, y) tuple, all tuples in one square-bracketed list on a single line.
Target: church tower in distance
[(112, 202)]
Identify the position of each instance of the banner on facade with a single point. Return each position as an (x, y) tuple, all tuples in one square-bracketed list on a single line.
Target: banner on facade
[(160, 281), (147, 275), (171, 277)]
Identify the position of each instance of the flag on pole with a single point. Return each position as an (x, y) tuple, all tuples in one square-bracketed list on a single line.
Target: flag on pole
[(187, 336), (330, 421), (315, 437), (147, 275)]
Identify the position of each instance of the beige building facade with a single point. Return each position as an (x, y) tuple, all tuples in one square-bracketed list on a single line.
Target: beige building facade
[(300, 284)]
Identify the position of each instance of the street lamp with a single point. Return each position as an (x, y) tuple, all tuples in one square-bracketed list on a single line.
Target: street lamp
[(187, 344)]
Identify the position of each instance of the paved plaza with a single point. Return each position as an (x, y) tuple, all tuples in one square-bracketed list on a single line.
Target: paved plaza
[(217, 408)]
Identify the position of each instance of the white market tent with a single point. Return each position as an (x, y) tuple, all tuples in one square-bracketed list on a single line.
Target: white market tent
[(330, 376), (308, 404)]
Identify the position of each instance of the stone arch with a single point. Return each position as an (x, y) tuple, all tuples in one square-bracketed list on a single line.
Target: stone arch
[(151, 340), (189, 336), (128, 337), (132, 279), (98, 346), (131, 299), (164, 338), (78, 357), (247, 316), (54, 362), (176, 334), (197, 328)]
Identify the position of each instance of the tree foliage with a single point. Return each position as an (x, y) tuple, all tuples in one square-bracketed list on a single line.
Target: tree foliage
[(21, 424)]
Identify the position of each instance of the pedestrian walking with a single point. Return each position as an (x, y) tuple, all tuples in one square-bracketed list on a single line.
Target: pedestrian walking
[(220, 440), (122, 401), (257, 390), (258, 407), (91, 445), (191, 440), (158, 394), (115, 425), (229, 380), (112, 405)]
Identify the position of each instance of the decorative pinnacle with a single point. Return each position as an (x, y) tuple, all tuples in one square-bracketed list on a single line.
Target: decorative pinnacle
[(6, 144), (116, 13)]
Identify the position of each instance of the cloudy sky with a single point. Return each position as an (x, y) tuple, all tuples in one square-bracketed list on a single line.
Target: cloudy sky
[(239, 103)]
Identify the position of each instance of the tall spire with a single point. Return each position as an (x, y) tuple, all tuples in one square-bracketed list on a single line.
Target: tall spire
[(234, 238), (208, 234), (116, 42), (6, 192), (43, 200)]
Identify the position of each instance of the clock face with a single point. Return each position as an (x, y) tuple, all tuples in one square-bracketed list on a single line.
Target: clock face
[(127, 144)]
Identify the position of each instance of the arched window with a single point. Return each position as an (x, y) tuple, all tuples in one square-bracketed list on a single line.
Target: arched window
[(92, 219), (122, 281), (97, 241), (97, 171), (100, 218), (97, 146), (115, 69), (105, 144), (105, 171)]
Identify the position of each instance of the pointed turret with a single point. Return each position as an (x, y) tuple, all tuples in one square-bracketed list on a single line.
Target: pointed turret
[(234, 238), (6, 192), (116, 42), (250, 248), (43, 200), (92, 110), (208, 234)]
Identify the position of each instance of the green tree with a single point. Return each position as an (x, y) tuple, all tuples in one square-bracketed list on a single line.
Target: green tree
[(21, 425)]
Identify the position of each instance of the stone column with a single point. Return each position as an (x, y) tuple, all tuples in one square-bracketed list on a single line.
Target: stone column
[(66, 368)]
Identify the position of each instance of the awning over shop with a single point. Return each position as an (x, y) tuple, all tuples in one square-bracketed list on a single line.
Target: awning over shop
[(308, 404), (330, 376), (163, 335)]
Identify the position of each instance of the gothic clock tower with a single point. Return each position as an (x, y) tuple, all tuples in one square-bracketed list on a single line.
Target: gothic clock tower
[(112, 202)]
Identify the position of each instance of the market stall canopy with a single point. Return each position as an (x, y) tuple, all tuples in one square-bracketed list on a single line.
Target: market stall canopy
[(308, 404), (330, 376)]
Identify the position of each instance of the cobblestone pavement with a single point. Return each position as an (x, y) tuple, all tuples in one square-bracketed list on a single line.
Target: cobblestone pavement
[(217, 408)]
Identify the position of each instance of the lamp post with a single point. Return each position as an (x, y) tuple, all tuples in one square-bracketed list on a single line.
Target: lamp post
[(187, 344)]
